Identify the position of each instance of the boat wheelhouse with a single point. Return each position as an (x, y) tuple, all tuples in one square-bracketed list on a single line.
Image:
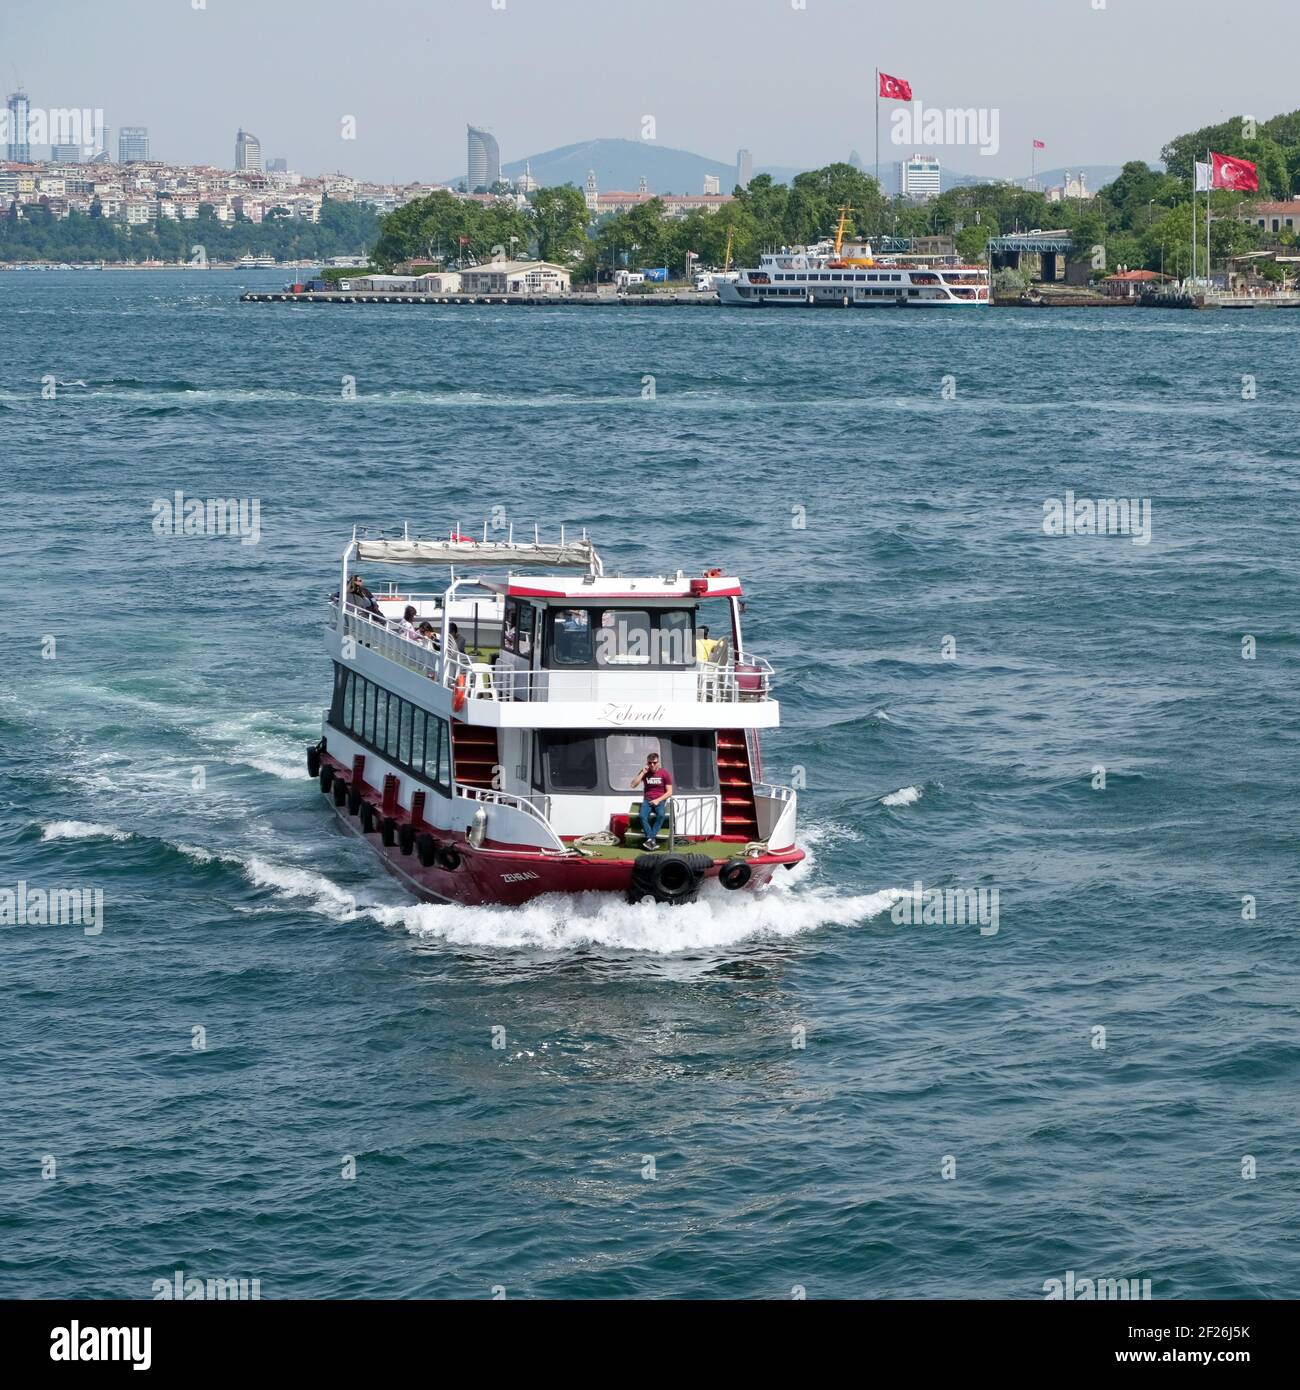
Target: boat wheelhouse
[(493, 760)]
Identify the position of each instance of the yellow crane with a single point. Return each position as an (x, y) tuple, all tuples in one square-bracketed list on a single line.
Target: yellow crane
[(840, 230), (731, 232)]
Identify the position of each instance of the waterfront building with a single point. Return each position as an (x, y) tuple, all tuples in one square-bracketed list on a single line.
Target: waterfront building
[(20, 150), (1272, 217), (675, 205), (918, 178), (248, 151), (516, 277), (484, 160), (133, 144), (744, 167)]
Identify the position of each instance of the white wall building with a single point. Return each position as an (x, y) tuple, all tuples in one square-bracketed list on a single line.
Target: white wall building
[(918, 178)]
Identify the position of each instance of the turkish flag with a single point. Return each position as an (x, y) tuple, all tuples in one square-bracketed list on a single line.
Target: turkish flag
[(1238, 174), (1038, 145), (895, 88)]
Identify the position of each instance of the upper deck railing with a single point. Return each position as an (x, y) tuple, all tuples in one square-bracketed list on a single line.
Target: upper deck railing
[(740, 677)]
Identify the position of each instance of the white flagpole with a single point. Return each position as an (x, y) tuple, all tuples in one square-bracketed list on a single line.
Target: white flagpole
[(1193, 222), (878, 184), (1209, 162)]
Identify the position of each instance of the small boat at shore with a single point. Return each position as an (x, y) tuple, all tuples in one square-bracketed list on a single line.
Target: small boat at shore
[(494, 759)]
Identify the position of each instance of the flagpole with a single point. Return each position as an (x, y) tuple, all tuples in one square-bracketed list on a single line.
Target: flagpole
[(1210, 162), (1193, 226), (878, 184)]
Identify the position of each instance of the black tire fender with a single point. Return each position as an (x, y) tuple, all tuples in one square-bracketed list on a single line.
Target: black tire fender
[(326, 777), (426, 850), (667, 878), (449, 858), (406, 838), (388, 830), (735, 874), (313, 760), (340, 791), (354, 800)]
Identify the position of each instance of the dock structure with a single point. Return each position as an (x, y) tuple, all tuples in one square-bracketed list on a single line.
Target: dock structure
[(601, 301)]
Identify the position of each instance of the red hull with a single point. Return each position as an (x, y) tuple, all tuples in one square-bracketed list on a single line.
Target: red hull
[(506, 877)]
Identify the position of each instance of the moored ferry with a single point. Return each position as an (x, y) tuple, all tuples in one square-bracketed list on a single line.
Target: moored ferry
[(838, 274), (493, 758)]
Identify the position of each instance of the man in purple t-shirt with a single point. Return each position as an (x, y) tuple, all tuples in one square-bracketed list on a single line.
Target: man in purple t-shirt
[(657, 784)]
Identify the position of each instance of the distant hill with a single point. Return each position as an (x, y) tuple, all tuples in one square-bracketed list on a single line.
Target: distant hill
[(620, 165)]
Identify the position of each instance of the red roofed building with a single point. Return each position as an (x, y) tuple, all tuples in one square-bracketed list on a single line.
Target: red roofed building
[(1129, 284)]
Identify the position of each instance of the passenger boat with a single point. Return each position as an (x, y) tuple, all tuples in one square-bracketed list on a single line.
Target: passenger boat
[(499, 767), (834, 273)]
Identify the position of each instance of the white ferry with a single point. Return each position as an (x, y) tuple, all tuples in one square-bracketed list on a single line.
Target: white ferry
[(493, 760), (836, 274), (251, 262)]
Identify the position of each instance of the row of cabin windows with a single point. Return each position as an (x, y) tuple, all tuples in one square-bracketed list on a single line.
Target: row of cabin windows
[(839, 275), (802, 294), (605, 764), (603, 637), (402, 732)]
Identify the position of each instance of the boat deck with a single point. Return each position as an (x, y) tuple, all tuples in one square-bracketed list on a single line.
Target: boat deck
[(715, 849)]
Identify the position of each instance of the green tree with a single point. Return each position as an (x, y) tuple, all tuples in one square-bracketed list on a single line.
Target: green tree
[(560, 216)]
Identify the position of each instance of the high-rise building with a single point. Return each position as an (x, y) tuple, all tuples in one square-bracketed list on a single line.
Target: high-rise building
[(65, 154), (484, 159), (918, 178), (712, 183), (132, 144), (248, 151), (593, 192), (20, 150), (277, 166), (744, 167)]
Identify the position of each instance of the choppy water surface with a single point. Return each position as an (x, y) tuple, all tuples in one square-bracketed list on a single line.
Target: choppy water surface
[(342, 1018)]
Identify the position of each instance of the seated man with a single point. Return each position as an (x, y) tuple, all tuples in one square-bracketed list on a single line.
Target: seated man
[(704, 649), (657, 784)]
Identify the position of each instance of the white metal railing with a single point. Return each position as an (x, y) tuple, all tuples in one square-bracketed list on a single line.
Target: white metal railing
[(693, 816), (774, 790), (740, 678), (542, 815), (373, 631)]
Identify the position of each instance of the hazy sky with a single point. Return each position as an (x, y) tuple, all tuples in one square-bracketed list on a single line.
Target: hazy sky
[(794, 85)]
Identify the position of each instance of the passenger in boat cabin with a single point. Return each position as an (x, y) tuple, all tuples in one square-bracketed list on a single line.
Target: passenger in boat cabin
[(657, 785), (406, 625), (704, 649)]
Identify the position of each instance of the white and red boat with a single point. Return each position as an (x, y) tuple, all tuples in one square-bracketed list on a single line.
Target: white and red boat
[(835, 274), (498, 765)]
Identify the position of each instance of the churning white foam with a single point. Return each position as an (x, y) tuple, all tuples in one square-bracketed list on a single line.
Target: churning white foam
[(81, 830), (905, 796)]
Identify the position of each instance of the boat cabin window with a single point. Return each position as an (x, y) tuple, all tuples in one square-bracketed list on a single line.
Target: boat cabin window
[(398, 730), (517, 628), (605, 764), (621, 637)]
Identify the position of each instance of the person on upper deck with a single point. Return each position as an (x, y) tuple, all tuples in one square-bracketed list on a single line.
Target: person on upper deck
[(453, 640), (406, 624), (656, 783), (361, 597)]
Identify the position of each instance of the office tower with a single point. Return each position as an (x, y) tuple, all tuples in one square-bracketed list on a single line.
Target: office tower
[(744, 167), (20, 151), (484, 159), (132, 144), (248, 151)]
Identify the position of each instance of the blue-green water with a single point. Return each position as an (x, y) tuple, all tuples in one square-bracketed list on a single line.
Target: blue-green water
[(344, 1019)]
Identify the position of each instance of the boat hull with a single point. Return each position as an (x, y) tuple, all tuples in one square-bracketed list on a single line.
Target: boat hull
[(510, 876)]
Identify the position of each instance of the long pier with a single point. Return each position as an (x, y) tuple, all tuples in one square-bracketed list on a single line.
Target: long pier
[(599, 301)]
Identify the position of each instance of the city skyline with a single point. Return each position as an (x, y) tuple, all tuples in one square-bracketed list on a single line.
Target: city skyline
[(168, 68)]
